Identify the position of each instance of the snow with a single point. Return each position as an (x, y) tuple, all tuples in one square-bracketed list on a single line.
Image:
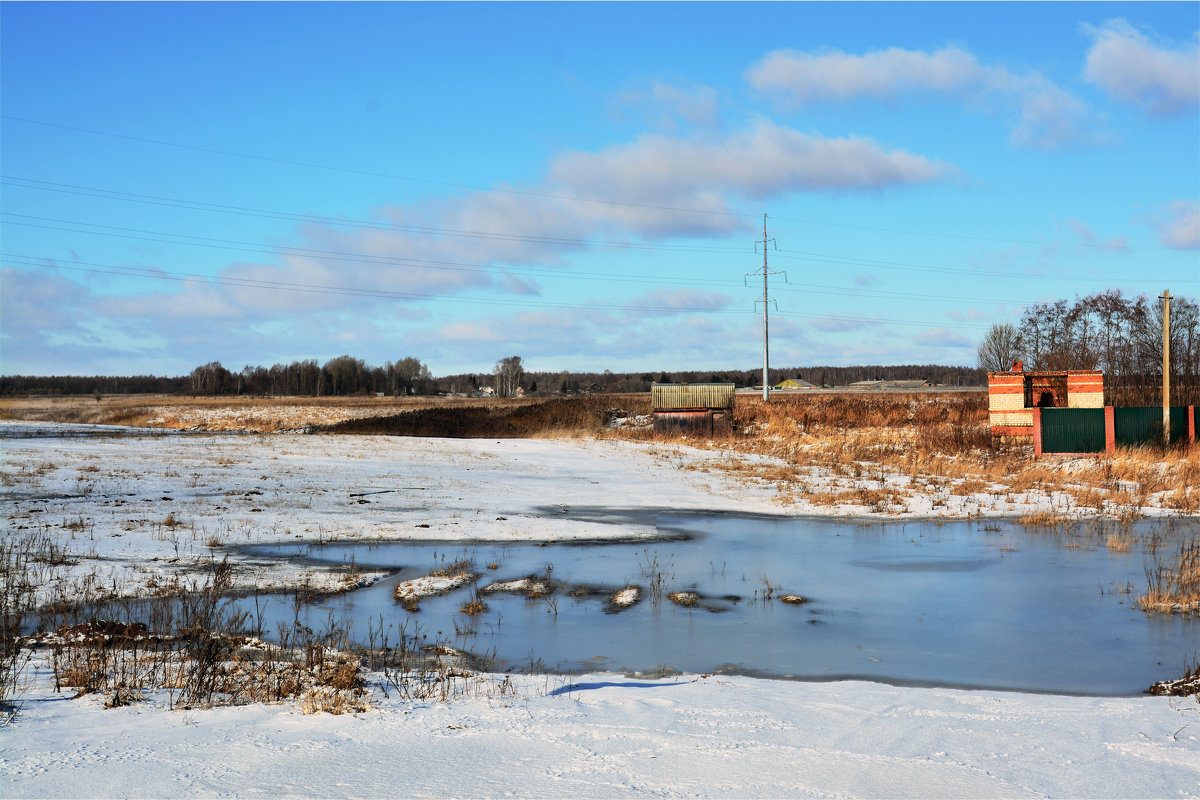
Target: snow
[(142, 509), (432, 585), (605, 735), (626, 597)]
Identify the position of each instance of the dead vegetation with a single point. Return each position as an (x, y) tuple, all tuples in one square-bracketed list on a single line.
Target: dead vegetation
[(197, 651), (460, 417), (1174, 585), (1186, 686), (883, 452)]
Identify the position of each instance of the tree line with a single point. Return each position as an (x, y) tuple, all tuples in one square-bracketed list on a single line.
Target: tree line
[(345, 375), (1121, 336)]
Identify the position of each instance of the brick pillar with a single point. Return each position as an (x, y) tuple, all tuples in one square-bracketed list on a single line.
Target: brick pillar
[(1110, 431), (1037, 431)]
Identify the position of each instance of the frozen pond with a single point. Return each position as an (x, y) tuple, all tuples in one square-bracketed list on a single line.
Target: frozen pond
[(950, 604)]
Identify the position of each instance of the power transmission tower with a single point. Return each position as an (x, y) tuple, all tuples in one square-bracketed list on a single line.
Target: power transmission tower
[(765, 242)]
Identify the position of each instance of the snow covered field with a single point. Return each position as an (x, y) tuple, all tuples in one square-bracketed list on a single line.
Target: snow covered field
[(141, 510), (609, 736)]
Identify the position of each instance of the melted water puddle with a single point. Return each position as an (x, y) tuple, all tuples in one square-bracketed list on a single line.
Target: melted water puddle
[(949, 604)]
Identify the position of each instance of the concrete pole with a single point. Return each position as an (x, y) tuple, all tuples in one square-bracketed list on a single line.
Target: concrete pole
[(1166, 298)]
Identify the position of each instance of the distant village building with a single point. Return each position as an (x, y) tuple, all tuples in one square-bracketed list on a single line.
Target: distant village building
[(892, 386), (1012, 395), (702, 409)]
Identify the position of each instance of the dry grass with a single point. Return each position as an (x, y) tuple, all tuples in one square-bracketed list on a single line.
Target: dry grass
[(473, 607), (1119, 542), (685, 599), (1174, 587), (882, 451)]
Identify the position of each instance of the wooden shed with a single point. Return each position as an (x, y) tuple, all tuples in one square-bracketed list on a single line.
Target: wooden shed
[(1013, 395), (701, 409)]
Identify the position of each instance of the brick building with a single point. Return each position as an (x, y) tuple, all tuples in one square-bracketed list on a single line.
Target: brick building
[(1013, 395)]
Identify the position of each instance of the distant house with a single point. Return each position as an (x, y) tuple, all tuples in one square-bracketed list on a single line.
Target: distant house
[(891, 386), (795, 383)]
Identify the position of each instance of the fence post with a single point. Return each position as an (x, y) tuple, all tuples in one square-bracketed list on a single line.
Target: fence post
[(1037, 431), (1110, 431), (1191, 420)]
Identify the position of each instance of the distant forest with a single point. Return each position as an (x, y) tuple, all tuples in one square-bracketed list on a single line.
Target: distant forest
[(345, 375)]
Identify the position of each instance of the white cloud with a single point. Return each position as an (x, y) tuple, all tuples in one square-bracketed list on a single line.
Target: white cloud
[(834, 75), (1181, 228), (1047, 116), (763, 161), (1126, 64), (667, 104)]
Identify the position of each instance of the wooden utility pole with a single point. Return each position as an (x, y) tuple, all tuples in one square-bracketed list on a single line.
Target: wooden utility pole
[(1166, 298)]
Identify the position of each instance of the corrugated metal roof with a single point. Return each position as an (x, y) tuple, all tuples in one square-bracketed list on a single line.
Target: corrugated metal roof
[(668, 396)]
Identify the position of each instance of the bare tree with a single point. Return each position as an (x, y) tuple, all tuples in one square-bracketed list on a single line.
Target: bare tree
[(408, 376), (1001, 346), (509, 372)]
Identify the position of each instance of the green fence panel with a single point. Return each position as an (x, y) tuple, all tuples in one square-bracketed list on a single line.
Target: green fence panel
[(1143, 424), (1073, 430)]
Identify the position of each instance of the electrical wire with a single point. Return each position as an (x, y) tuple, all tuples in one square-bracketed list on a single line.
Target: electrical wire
[(550, 195), (157, 274)]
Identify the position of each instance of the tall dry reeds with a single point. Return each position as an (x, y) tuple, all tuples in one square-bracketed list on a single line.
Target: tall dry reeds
[(1174, 586)]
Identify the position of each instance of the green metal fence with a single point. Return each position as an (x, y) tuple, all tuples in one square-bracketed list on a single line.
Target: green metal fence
[(1073, 430), (1143, 425)]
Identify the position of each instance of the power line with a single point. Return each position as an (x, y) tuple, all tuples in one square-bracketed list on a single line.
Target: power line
[(119, 232), (963, 236), (158, 274), (369, 173), (253, 283), (957, 271), (218, 243), (549, 195), (341, 222)]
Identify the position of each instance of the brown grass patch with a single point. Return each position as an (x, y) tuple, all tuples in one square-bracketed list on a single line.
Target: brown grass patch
[(685, 599), (1175, 586)]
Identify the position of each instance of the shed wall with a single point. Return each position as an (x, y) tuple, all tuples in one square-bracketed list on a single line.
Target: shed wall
[(679, 396), (694, 423)]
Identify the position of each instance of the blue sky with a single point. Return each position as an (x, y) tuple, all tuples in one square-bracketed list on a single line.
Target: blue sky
[(580, 184)]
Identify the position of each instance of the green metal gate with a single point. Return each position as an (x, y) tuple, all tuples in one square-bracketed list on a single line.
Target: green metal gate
[(1143, 424), (1073, 430)]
